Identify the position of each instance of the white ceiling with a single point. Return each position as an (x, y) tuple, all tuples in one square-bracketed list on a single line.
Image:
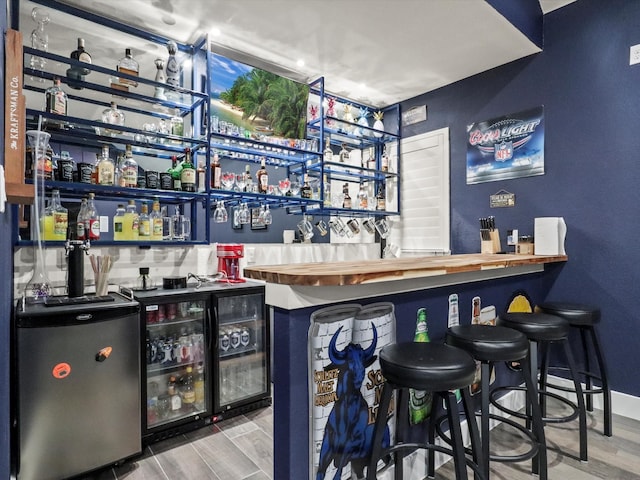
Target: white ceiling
[(373, 51)]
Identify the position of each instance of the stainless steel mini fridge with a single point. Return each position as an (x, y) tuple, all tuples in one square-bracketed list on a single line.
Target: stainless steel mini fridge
[(77, 368)]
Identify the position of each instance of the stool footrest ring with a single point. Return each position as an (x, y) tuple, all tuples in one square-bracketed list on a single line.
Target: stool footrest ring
[(524, 416), (532, 452)]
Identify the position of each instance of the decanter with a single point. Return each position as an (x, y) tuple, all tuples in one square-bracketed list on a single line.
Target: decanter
[(39, 38)]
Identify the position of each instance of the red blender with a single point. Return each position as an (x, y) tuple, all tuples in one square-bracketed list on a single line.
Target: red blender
[(229, 255)]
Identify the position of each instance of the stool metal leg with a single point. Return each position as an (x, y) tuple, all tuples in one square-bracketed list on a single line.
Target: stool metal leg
[(472, 424), (544, 373), (381, 420), (485, 376), (453, 415), (402, 422), (604, 379), (431, 437), (539, 462), (588, 382), (582, 413)]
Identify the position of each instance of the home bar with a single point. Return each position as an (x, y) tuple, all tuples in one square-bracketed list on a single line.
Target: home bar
[(233, 233)]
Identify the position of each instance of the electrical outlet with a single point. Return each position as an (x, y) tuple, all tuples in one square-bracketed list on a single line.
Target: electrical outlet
[(634, 54)]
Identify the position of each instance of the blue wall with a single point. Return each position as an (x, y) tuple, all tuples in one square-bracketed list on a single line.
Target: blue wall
[(591, 98)]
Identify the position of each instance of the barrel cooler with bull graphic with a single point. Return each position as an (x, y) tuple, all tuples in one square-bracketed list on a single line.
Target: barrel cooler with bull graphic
[(341, 336)]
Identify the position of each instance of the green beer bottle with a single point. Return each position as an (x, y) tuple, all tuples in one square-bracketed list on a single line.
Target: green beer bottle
[(420, 401)]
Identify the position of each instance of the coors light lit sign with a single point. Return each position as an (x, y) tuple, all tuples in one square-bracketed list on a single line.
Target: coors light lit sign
[(511, 146)]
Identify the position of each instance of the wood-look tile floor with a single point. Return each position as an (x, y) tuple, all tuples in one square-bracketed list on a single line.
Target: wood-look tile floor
[(241, 448)]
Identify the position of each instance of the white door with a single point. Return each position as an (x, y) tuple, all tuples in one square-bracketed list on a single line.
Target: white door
[(423, 226)]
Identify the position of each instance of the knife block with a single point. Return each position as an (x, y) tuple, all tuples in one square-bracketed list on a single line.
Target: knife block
[(492, 245)]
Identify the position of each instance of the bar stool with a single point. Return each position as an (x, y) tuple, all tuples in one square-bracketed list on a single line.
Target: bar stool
[(489, 344), (440, 369), (545, 329), (584, 318)]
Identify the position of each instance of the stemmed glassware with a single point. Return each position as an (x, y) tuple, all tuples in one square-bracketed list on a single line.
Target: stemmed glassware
[(241, 181), (244, 216), (220, 214), (227, 179), (295, 189), (265, 215), (284, 185)]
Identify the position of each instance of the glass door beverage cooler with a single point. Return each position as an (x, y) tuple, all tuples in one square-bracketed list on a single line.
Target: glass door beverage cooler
[(241, 356), (186, 382)]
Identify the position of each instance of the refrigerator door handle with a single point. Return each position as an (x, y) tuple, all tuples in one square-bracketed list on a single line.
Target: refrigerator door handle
[(210, 325)]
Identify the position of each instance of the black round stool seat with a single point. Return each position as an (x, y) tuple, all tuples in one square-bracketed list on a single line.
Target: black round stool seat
[(426, 366), (575, 313), (539, 327), (489, 343)]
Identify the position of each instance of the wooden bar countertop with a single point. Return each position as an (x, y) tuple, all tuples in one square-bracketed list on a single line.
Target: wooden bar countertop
[(383, 270)]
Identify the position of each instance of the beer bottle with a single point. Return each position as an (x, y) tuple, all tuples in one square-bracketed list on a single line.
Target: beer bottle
[(420, 401)]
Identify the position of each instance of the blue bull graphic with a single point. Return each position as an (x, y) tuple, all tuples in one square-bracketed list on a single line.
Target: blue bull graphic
[(348, 435)]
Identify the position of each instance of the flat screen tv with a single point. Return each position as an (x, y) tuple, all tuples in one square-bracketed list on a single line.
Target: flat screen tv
[(248, 101)]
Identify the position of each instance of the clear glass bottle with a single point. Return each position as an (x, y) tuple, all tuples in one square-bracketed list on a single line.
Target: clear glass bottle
[(262, 177), (381, 198), (188, 173), (81, 221), (155, 221), (199, 387), (384, 161), (128, 65), (326, 191), (201, 176), (305, 190), (188, 391), (129, 169), (105, 168), (176, 126), (248, 181), (92, 221), (131, 222), (118, 223), (327, 155), (160, 78), (344, 154), (113, 116), (56, 99), (363, 198), (216, 172), (78, 72), (144, 225), (60, 217), (144, 282), (346, 198)]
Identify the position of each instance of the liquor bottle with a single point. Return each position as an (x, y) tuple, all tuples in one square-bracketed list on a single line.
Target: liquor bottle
[(173, 69), (160, 78), (188, 391), (305, 190), (248, 181), (363, 198), (346, 198), (188, 173), (371, 159), (81, 233), (344, 154), (131, 222), (105, 168), (144, 223), (201, 176), (326, 192), (216, 172), (198, 385), (175, 171), (56, 219), (155, 220), (420, 401), (381, 198), (327, 155), (75, 72), (176, 126), (129, 169), (113, 116), (56, 99), (92, 220), (118, 223), (262, 177), (128, 65), (384, 161)]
